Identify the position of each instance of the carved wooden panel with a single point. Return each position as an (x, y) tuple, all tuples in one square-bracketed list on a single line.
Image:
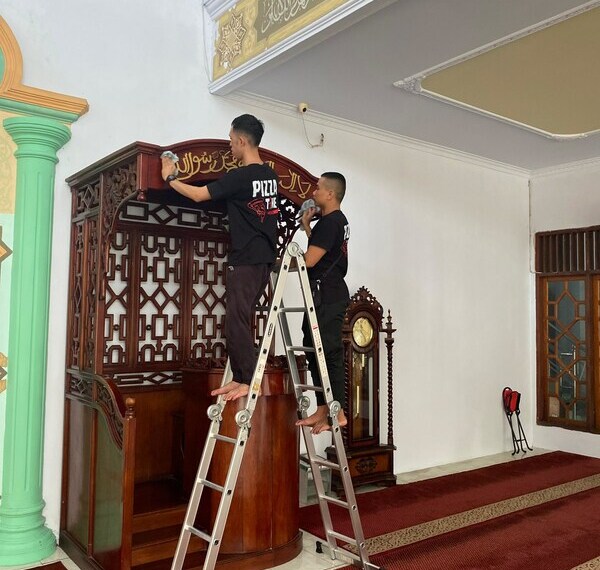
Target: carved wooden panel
[(117, 300), (86, 199), (208, 298), (76, 297), (160, 300), (91, 293), (149, 273)]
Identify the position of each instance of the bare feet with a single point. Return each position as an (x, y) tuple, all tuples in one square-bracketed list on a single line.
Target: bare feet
[(232, 391), (320, 420)]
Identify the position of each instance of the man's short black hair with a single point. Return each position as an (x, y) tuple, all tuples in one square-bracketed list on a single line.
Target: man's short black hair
[(250, 126), (338, 184)]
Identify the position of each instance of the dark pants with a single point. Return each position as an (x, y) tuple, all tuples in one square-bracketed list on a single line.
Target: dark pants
[(330, 318), (245, 285)]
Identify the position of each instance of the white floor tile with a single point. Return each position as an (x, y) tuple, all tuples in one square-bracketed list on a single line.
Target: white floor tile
[(308, 561), (59, 555), (69, 564)]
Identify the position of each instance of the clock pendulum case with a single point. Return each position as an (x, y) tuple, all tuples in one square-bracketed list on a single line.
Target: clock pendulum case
[(370, 461)]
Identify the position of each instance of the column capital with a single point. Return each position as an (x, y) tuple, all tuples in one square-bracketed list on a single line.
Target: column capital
[(37, 136)]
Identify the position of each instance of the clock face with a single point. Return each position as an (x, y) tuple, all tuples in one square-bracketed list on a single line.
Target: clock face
[(362, 331)]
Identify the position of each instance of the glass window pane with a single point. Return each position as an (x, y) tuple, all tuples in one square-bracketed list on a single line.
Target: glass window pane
[(566, 349), (553, 367), (580, 411), (555, 288), (566, 390), (577, 289), (566, 310), (578, 329), (553, 330)]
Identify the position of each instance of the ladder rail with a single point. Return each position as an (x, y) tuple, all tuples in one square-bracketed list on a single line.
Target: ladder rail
[(334, 408), (277, 315)]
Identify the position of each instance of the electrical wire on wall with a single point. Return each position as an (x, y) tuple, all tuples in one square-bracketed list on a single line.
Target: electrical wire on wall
[(303, 109)]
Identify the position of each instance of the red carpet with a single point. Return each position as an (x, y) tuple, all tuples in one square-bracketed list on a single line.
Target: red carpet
[(558, 536), (560, 532), (54, 566)]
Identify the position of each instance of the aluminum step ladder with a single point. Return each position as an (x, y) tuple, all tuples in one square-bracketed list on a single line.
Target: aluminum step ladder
[(277, 315)]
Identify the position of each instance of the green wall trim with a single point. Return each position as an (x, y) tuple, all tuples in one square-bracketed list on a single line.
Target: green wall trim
[(35, 111), (24, 538)]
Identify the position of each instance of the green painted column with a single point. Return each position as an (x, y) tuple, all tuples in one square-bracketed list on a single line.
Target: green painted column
[(24, 538)]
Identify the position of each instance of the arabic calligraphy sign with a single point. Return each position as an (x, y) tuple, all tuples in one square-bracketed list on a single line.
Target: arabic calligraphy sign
[(251, 27), (274, 14)]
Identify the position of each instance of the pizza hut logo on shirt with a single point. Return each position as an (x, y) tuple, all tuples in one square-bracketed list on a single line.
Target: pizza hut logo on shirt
[(258, 207)]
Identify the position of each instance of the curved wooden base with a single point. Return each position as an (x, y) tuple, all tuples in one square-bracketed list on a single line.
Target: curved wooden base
[(264, 512), (260, 560)]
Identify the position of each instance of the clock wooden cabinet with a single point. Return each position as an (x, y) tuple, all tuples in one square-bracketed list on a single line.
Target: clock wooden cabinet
[(369, 460)]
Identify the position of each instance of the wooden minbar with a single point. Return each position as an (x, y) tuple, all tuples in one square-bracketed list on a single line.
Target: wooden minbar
[(145, 345)]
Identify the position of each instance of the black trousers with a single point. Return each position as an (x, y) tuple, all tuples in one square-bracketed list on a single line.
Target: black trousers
[(245, 285), (330, 317)]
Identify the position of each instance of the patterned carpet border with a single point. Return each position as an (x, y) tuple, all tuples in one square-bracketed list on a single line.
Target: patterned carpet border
[(458, 521), (589, 565)]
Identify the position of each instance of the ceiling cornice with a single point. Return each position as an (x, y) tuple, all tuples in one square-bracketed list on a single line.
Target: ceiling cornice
[(366, 131), (578, 165)]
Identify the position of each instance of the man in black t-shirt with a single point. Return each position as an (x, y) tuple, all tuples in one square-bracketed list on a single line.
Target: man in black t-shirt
[(250, 192), (327, 260)]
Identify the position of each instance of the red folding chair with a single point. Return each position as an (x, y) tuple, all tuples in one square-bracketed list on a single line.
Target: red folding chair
[(511, 400)]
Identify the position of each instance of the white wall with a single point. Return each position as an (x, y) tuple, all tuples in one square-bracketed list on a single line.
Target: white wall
[(441, 241), (560, 199)]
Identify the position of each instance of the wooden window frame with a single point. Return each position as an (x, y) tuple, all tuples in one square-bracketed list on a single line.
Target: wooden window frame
[(568, 255)]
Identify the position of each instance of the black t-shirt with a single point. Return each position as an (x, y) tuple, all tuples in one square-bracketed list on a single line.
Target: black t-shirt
[(331, 233), (253, 208)]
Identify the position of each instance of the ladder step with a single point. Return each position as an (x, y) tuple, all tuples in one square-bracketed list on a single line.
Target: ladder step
[(335, 501), (210, 485), (309, 387), (326, 463), (300, 349), (339, 536), (199, 533), (293, 310), (224, 438)]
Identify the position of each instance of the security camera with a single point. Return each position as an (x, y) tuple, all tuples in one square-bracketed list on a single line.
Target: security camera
[(303, 107)]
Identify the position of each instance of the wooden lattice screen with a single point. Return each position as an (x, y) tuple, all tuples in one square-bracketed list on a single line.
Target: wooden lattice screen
[(148, 267)]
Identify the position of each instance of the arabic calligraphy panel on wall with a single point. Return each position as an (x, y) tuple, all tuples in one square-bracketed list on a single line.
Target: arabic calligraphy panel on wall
[(253, 26)]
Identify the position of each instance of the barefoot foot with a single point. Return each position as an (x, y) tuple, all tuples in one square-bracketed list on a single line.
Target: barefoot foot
[(319, 421), (226, 388), (240, 392)]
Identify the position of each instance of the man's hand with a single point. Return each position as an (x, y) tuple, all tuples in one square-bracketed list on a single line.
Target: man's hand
[(168, 167), (306, 219)]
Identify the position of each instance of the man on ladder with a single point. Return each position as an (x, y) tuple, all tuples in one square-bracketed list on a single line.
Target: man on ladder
[(327, 262), (252, 207)]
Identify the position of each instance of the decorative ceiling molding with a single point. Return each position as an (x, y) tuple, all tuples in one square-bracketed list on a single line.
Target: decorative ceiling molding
[(369, 132), (414, 83), (216, 8), (586, 165), (12, 88)]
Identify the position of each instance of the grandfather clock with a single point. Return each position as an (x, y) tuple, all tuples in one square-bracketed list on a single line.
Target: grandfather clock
[(370, 462)]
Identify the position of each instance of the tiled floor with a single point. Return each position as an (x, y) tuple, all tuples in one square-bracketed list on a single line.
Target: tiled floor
[(308, 559)]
